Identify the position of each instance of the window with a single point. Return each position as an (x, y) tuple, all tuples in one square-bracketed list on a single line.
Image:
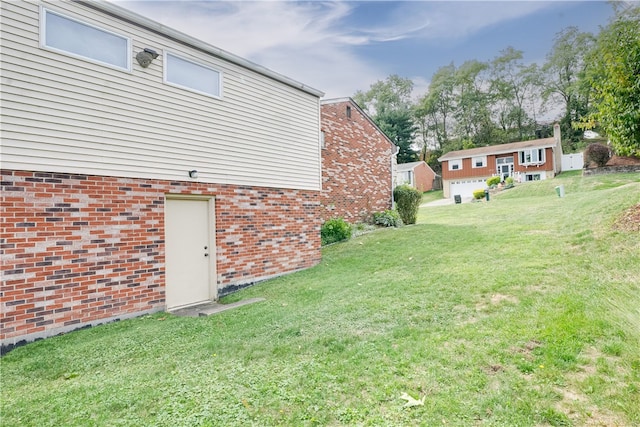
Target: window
[(348, 112), (533, 156), (76, 38), (532, 177), (479, 162), (192, 76), (323, 144), (455, 165)]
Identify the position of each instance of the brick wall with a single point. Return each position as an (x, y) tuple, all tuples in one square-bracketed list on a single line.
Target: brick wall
[(424, 177), (356, 164), (78, 249)]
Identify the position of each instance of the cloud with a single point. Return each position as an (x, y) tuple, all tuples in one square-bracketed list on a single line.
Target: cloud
[(319, 43)]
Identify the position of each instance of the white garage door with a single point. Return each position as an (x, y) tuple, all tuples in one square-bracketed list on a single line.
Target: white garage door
[(465, 188)]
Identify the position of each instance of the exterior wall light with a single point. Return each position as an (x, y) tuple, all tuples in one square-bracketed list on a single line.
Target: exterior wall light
[(193, 174), (146, 56)]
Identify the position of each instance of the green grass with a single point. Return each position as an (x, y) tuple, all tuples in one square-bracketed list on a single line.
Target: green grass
[(524, 310)]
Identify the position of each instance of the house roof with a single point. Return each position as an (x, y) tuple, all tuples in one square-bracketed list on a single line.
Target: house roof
[(499, 149), (365, 115), (403, 167), (132, 17)]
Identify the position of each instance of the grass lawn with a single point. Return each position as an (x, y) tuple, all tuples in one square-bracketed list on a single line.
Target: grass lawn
[(521, 311)]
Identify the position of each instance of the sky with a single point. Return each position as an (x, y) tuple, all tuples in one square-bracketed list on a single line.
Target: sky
[(340, 47)]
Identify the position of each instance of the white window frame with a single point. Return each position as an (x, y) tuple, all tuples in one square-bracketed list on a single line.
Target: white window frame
[(323, 143), (167, 60), (482, 159), (44, 43), (526, 157), (457, 162)]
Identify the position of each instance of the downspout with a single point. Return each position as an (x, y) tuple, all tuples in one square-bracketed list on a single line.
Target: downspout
[(393, 175)]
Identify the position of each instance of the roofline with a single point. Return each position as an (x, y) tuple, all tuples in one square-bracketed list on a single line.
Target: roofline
[(505, 148), (350, 100), (177, 36)]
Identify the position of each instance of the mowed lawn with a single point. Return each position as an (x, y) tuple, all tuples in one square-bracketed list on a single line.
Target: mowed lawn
[(521, 311)]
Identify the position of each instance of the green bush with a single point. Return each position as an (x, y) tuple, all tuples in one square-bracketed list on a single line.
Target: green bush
[(478, 194), (388, 218), (335, 230), (407, 202), (508, 182), (494, 180)]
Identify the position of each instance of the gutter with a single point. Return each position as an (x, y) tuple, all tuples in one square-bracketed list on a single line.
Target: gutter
[(179, 37)]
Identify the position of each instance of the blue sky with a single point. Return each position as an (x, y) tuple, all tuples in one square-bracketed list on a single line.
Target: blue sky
[(340, 47)]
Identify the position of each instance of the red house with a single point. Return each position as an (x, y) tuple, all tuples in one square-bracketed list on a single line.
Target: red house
[(419, 175), (467, 170)]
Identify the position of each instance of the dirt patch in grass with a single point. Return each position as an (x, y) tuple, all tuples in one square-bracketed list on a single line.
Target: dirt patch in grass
[(496, 299), (629, 220), (574, 403)]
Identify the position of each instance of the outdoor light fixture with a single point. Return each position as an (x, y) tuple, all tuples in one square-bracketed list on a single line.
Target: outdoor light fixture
[(146, 56), (193, 174)]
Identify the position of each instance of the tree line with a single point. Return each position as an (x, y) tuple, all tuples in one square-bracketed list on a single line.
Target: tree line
[(588, 81)]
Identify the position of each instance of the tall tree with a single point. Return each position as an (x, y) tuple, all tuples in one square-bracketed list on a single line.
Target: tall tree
[(388, 103), (398, 125), (472, 114), (437, 106), (512, 85), (614, 75), (564, 73), (393, 93)]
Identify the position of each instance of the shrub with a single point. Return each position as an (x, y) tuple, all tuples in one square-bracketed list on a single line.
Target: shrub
[(388, 218), (335, 230), (597, 153), (508, 182), (407, 202), (494, 180), (478, 194)]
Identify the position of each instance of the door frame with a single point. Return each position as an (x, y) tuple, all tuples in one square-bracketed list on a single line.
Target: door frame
[(211, 238)]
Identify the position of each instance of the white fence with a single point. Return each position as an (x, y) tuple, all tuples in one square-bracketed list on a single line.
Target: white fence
[(571, 162)]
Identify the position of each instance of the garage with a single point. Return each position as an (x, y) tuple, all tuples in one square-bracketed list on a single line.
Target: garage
[(465, 188)]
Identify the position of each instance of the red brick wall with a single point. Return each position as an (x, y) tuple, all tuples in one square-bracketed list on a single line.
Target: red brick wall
[(356, 165), (77, 249), (424, 176)]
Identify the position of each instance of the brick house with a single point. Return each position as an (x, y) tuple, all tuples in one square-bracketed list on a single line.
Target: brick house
[(142, 169), (358, 163), (419, 175), (467, 170)]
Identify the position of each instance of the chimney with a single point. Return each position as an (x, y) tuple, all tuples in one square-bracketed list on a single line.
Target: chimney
[(556, 134)]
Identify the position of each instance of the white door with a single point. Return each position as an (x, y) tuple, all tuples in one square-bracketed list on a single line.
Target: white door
[(189, 257)]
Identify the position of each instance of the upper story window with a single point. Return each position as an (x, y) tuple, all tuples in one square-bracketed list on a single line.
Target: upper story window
[(323, 143), (192, 76), (479, 162), (455, 165), (534, 156), (67, 35)]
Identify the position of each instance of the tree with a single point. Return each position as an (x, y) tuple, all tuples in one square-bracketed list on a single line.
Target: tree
[(388, 103), (564, 77), (438, 104), (512, 85), (394, 93), (399, 127), (472, 114), (614, 75)]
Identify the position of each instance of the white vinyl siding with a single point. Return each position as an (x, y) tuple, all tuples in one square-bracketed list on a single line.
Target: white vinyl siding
[(64, 114), (76, 38)]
